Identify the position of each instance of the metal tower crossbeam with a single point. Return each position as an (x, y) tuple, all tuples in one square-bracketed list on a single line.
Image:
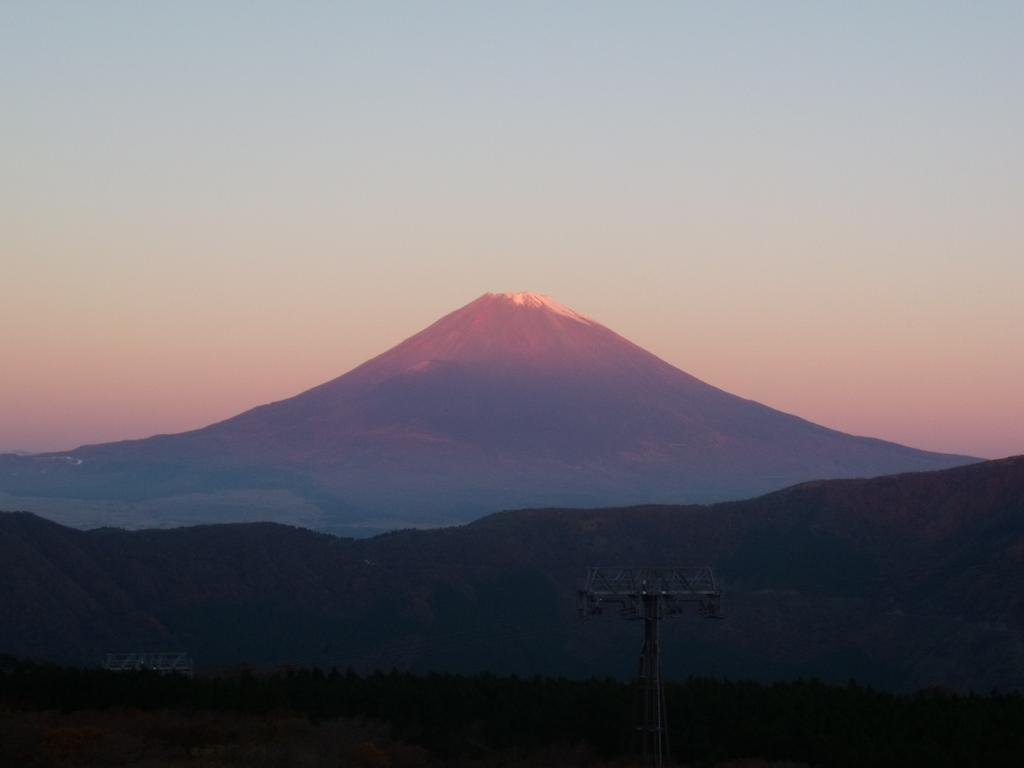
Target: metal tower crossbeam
[(627, 588)]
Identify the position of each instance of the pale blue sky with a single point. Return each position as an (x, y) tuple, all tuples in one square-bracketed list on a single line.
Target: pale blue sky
[(816, 205)]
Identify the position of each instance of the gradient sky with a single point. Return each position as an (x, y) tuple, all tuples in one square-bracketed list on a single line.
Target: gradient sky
[(207, 206)]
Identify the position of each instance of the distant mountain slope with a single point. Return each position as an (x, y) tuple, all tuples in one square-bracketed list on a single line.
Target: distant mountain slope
[(511, 401), (899, 581)]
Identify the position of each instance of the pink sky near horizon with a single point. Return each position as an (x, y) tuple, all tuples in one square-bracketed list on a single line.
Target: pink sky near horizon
[(132, 375), (205, 207)]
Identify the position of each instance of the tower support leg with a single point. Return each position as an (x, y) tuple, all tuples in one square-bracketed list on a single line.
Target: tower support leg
[(651, 730)]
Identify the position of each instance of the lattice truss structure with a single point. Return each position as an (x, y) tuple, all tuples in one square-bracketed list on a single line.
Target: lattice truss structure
[(650, 594), (178, 663)]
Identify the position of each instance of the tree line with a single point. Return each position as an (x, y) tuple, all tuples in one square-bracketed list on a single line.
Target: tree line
[(479, 717)]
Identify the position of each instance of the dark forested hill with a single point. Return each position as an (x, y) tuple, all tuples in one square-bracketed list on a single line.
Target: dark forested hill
[(900, 581)]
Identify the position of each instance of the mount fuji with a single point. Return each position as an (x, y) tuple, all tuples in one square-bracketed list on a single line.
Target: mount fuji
[(511, 401)]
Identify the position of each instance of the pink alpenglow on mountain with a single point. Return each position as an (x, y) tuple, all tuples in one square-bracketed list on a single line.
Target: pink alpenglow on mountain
[(514, 400)]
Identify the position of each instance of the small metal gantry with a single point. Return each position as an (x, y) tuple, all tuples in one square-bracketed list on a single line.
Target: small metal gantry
[(178, 663), (650, 594)]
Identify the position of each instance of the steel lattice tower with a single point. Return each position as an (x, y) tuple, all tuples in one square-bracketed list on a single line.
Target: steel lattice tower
[(650, 594)]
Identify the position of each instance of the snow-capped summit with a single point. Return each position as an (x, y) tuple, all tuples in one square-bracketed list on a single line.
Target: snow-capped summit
[(540, 301)]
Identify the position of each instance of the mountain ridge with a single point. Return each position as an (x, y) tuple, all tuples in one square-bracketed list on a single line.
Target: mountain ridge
[(902, 581), (512, 400)]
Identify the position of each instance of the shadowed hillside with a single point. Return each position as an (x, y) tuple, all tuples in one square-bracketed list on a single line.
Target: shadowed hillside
[(899, 581)]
